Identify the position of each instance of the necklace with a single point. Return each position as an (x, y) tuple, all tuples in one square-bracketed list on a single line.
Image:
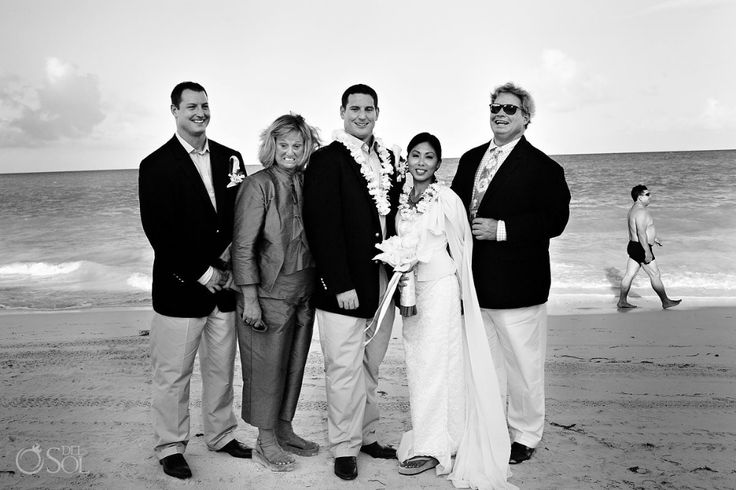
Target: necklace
[(377, 186), (420, 205)]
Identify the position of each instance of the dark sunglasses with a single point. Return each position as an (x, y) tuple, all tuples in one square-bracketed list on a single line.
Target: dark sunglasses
[(646, 194), (509, 109)]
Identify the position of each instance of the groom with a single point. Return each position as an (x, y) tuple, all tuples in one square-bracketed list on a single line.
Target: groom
[(344, 221), (517, 200), (187, 213)]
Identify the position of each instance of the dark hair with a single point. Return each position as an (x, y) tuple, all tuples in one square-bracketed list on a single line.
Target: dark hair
[(426, 138), (359, 89), (637, 191), (181, 87), (282, 126)]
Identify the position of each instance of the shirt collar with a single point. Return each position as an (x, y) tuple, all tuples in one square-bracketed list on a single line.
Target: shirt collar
[(354, 142), (504, 148), (189, 148)]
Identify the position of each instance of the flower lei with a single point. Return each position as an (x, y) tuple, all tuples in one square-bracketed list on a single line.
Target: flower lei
[(377, 190), (409, 212)]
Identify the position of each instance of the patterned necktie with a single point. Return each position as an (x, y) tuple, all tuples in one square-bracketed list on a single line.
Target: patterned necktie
[(483, 178)]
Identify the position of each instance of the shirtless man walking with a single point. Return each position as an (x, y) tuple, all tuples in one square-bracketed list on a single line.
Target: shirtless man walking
[(642, 237)]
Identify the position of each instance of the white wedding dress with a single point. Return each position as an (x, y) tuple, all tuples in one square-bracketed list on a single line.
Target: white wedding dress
[(453, 390)]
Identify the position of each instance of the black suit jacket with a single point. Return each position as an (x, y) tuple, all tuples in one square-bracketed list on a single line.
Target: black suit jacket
[(530, 194), (185, 231), (343, 228)]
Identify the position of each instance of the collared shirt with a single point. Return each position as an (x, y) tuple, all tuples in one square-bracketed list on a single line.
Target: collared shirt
[(492, 161), (201, 160), (371, 156)]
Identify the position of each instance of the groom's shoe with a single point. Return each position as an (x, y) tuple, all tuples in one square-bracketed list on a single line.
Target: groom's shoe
[(377, 451), (520, 453), (236, 449), (346, 467), (175, 465)]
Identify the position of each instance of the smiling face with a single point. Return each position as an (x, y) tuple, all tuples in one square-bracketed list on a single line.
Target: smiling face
[(423, 163), (193, 114), (508, 128), (289, 151), (359, 116)]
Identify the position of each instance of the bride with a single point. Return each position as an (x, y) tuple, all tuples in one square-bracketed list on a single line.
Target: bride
[(453, 390)]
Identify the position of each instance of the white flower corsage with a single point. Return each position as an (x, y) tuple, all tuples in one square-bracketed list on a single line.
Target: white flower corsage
[(236, 175)]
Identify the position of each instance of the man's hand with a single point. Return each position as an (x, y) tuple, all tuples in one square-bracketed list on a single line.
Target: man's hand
[(648, 255), (218, 280), (348, 300), (484, 228)]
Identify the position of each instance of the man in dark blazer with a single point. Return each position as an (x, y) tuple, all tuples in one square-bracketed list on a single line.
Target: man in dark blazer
[(186, 199), (517, 200), (344, 221)]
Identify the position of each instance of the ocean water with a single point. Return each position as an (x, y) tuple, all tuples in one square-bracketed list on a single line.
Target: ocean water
[(72, 240)]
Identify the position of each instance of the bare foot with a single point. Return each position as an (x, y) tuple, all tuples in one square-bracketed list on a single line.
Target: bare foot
[(625, 305), (670, 303)]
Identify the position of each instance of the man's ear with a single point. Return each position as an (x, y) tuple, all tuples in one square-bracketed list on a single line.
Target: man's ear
[(174, 109), (342, 112)]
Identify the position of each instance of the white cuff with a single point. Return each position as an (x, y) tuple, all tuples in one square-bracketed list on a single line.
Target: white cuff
[(205, 278), (501, 231)]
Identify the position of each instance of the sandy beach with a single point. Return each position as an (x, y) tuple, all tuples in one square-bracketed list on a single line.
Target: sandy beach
[(644, 399)]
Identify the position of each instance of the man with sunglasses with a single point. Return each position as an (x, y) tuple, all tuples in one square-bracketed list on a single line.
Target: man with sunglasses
[(642, 237), (517, 200)]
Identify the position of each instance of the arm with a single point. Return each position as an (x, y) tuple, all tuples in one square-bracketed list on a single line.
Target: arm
[(177, 246), (323, 213), (641, 233), (551, 211)]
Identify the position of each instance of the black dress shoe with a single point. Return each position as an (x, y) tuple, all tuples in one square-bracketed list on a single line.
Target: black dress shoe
[(377, 451), (520, 453), (175, 465), (236, 449), (346, 467)]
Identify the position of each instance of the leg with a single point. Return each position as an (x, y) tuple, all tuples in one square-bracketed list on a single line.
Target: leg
[(497, 353), (341, 338), (523, 336), (295, 374), (632, 267), (374, 354), (174, 343), (217, 358), (655, 278)]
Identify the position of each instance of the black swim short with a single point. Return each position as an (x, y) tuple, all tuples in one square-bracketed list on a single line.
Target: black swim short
[(636, 252)]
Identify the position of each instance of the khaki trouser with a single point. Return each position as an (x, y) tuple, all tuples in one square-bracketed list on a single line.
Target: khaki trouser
[(174, 345)]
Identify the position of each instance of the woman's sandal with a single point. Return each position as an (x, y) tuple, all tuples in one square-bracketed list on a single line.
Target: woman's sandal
[(260, 456), (417, 464), (310, 448)]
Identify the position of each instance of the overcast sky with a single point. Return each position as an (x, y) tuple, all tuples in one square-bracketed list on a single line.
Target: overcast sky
[(86, 84)]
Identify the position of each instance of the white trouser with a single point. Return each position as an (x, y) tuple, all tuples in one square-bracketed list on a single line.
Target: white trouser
[(518, 341), (351, 378), (174, 345)]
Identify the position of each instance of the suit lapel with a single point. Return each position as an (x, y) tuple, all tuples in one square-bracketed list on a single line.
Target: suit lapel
[(189, 171), (507, 168), (355, 166), (219, 166)]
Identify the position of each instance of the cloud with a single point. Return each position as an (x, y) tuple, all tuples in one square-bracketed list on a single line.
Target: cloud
[(66, 106), (565, 85), (672, 5)]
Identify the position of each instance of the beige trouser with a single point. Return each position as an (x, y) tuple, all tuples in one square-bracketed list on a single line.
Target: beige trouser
[(174, 345), (351, 378), (518, 341)]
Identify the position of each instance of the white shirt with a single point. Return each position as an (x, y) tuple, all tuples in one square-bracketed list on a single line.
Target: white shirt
[(201, 160)]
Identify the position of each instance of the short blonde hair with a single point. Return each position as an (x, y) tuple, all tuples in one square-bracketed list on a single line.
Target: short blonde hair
[(527, 102), (282, 126)]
